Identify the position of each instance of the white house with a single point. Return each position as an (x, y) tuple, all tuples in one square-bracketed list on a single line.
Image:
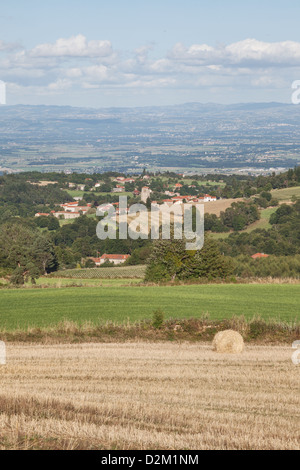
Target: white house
[(115, 259), (66, 215), (208, 198)]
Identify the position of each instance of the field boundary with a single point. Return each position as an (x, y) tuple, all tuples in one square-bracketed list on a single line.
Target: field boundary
[(256, 330), (122, 272)]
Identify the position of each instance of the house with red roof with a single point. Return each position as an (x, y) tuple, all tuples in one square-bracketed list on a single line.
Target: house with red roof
[(180, 199), (115, 259), (259, 256), (41, 214), (118, 189), (74, 207), (209, 198), (119, 179)]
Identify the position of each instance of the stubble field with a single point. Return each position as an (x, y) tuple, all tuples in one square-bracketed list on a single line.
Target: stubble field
[(148, 396)]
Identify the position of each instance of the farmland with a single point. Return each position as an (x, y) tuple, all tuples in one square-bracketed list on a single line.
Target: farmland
[(21, 308), (262, 223), (178, 138), (286, 194), (78, 193), (130, 396), (120, 272), (218, 206)]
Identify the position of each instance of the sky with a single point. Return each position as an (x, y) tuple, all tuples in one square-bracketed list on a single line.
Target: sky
[(132, 53)]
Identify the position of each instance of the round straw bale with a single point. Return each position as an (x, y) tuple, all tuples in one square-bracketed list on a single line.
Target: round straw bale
[(228, 342)]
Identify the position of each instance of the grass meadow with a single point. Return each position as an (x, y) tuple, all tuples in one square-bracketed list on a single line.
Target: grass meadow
[(262, 223), (22, 308), (77, 193), (120, 272), (286, 194)]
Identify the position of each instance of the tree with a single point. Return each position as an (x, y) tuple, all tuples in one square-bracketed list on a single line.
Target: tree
[(30, 253), (43, 255), (170, 260), (148, 203), (53, 223), (106, 187), (238, 222), (90, 263)]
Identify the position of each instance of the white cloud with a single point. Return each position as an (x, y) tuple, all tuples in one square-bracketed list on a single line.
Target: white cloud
[(74, 72), (151, 83), (76, 64), (268, 81), (75, 46), (161, 66), (97, 72), (253, 51), (60, 85), (248, 52)]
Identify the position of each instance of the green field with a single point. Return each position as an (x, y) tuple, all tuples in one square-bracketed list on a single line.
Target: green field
[(77, 193), (120, 272), (286, 194), (262, 223), (45, 307), (100, 282), (200, 183)]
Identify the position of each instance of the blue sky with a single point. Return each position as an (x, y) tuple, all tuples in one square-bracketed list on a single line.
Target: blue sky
[(133, 53)]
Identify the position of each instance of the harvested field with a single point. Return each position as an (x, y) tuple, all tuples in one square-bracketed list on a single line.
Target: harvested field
[(218, 206), (148, 396)]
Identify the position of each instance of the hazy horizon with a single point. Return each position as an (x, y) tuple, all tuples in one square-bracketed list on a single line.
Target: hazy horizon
[(187, 103)]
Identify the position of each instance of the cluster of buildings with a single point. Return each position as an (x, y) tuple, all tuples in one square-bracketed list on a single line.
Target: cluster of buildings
[(70, 210), (145, 193), (123, 180), (119, 188), (78, 187), (189, 199)]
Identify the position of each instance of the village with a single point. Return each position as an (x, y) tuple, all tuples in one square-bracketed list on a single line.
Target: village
[(73, 210)]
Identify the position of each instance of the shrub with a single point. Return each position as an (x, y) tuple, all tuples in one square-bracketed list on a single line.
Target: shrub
[(158, 319), (90, 264)]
